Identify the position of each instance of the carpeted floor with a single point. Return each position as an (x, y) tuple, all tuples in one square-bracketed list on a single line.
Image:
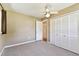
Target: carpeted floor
[(38, 48)]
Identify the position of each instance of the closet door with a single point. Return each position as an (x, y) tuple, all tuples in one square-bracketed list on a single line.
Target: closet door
[(73, 32), (52, 31), (56, 31), (58, 34), (64, 31)]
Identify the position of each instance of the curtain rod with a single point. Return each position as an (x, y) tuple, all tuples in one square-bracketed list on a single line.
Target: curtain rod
[(1, 6)]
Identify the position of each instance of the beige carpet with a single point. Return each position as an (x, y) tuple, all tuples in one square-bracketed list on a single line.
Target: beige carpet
[(38, 48)]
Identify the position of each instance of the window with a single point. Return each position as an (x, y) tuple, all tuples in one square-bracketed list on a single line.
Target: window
[(3, 22)]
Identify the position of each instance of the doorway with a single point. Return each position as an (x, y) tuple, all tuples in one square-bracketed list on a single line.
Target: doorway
[(45, 30)]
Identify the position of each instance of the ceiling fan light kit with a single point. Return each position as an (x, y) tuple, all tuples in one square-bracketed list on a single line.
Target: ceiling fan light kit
[(48, 13), (47, 10)]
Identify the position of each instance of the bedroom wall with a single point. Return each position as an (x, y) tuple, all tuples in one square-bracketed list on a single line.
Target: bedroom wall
[(1, 40), (0, 21), (20, 28)]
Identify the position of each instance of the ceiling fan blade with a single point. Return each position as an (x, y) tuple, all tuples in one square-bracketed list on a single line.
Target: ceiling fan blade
[(54, 12)]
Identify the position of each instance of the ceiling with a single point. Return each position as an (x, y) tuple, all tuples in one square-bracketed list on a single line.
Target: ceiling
[(34, 9)]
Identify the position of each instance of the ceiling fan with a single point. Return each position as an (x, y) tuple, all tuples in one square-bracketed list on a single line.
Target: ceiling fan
[(48, 11)]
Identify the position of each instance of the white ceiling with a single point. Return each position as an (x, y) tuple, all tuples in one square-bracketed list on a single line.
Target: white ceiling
[(34, 9)]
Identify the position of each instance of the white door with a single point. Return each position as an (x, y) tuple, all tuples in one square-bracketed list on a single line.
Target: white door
[(73, 31), (38, 30), (52, 31), (64, 31), (58, 34)]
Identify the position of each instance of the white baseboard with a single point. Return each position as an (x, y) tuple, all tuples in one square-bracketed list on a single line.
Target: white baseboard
[(2, 51), (20, 43), (17, 45)]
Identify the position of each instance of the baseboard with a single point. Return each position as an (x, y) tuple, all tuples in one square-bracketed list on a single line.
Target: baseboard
[(17, 45), (2, 51), (20, 43), (64, 48)]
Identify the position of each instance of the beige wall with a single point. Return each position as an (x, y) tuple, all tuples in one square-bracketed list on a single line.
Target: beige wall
[(1, 44), (20, 28), (0, 21), (1, 40)]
